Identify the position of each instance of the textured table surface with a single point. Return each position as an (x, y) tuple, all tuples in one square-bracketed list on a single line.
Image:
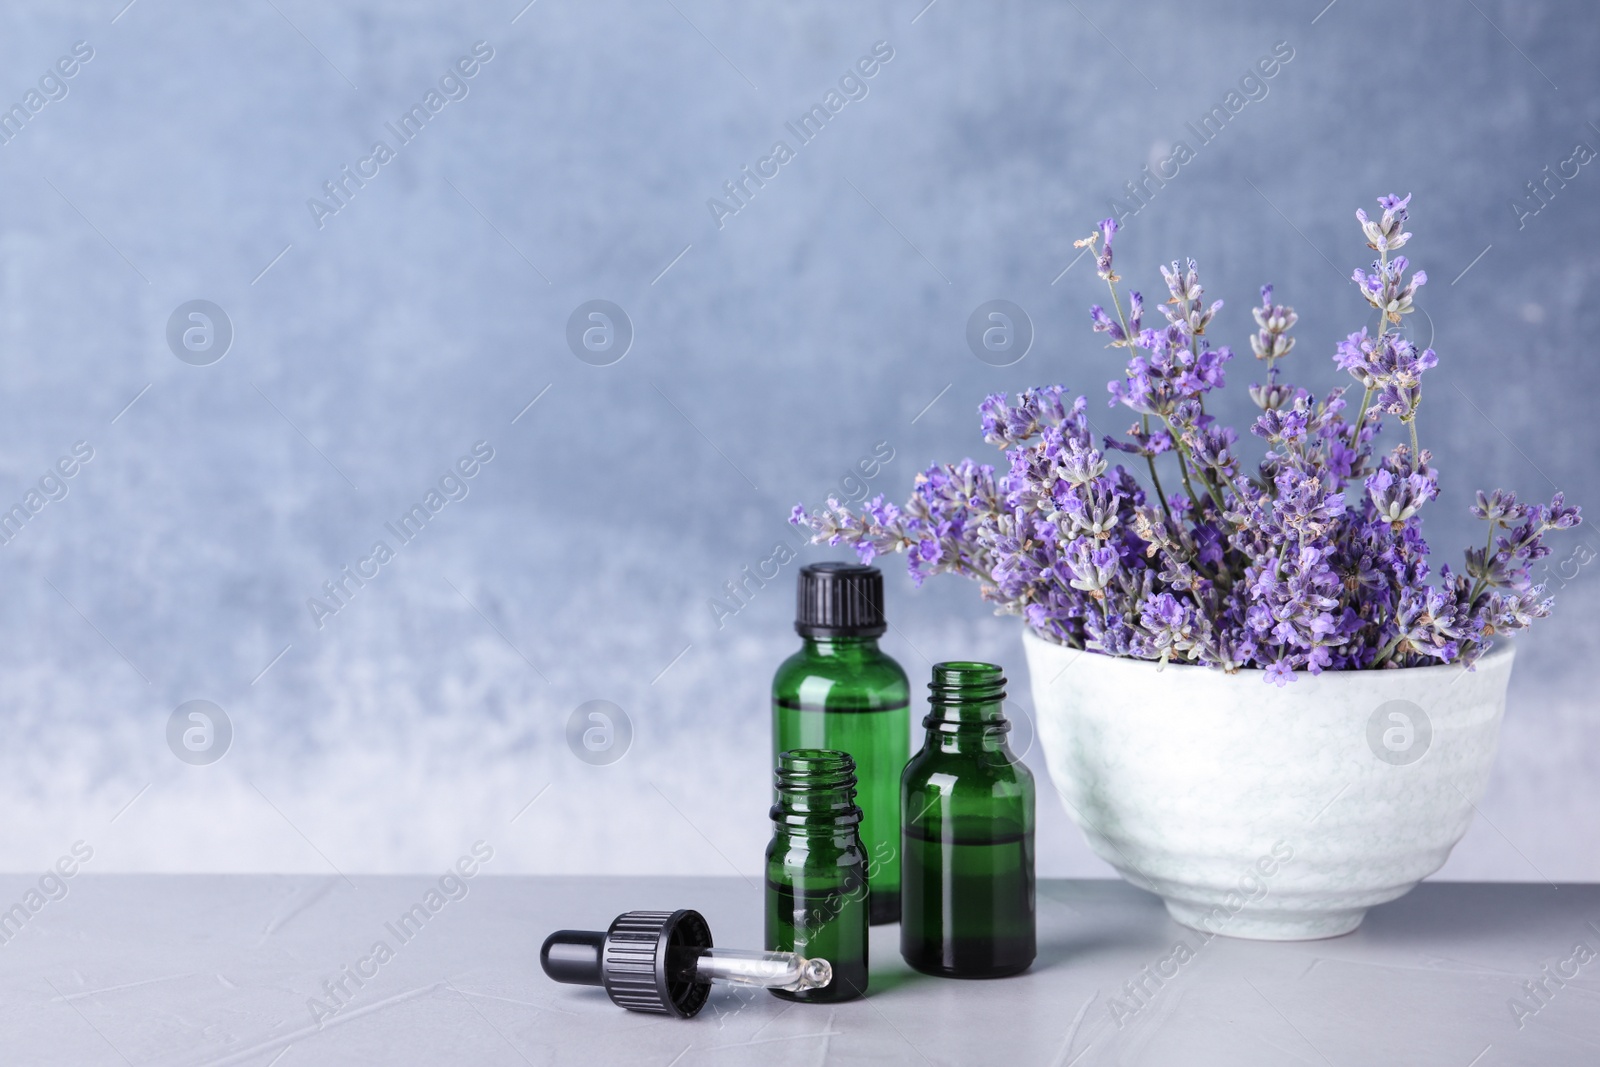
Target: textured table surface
[(192, 970)]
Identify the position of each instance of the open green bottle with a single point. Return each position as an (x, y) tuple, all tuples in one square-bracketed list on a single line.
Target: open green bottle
[(967, 809), (840, 691), (816, 892)]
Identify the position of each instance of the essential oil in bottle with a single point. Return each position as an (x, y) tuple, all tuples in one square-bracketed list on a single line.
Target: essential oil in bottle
[(840, 691), (967, 805), (817, 872)]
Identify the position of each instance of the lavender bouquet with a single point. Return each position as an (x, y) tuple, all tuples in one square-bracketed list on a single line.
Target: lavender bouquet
[(1273, 569)]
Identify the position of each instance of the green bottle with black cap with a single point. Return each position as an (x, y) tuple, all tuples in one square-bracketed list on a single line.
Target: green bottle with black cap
[(842, 692)]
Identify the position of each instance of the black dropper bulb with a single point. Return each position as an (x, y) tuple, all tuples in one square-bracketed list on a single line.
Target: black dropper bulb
[(573, 956)]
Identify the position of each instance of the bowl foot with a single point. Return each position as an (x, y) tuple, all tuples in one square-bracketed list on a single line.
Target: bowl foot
[(1265, 924)]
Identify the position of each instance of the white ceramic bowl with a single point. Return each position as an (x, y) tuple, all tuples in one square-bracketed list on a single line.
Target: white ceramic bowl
[(1260, 812)]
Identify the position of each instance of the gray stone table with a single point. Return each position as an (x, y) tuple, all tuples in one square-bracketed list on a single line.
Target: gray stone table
[(210, 969)]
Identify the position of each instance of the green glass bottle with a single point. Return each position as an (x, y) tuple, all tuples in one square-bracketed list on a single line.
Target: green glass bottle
[(840, 691), (817, 872), (967, 808)]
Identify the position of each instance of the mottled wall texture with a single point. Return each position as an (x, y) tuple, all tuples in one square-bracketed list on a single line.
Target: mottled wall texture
[(398, 378)]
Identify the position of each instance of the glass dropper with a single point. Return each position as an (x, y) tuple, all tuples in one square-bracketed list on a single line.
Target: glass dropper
[(661, 961), (766, 970)]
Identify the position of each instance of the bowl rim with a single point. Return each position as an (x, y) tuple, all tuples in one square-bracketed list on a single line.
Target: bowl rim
[(1501, 651)]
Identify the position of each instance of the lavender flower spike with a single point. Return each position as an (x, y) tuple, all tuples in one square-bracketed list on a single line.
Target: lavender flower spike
[(1102, 235), (1272, 341), (1384, 234)]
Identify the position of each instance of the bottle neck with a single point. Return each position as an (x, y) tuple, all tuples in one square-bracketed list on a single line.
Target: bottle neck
[(847, 649), (816, 792), (966, 708), (967, 728)]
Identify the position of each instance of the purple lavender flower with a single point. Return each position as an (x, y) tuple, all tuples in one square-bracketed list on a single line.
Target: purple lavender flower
[(1186, 310), (1108, 230), (1387, 289), (1035, 409), (1501, 507), (1384, 234), (1559, 516), (1272, 340), (1091, 568), (1105, 324), (1400, 487), (1212, 446), (1102, 236), (1310, 559)]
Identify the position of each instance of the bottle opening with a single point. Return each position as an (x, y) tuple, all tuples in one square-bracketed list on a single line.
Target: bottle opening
[(816, 788), (815, 769), (962, 681)]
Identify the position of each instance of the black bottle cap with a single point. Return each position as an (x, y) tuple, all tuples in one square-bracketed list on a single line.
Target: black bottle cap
[(839, 600), (645, 961)]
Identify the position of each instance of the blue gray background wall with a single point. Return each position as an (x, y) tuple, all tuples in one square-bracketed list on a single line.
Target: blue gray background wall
[(374, 345)]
